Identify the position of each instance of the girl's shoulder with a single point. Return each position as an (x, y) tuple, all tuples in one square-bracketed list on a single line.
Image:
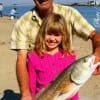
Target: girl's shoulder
[(33, 54), (69, 55), (33, 59)]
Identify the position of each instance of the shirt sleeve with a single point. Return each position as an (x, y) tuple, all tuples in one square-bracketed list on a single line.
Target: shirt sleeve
[(19, 37), (32, 75), (81, 25)]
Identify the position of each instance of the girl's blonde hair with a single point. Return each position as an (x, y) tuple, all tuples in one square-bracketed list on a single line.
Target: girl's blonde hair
[(53, 23)]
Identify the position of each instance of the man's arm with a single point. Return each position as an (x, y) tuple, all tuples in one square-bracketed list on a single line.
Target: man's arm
[(95, 37), (22, 75)]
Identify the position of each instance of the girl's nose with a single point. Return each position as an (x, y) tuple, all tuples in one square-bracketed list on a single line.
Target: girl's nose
[(52, 37)]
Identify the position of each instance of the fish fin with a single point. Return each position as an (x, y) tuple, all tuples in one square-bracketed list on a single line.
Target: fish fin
[(41, 91), (68, 94), (66, 88)]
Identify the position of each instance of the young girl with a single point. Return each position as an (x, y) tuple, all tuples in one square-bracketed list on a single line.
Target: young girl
[(52, 53)]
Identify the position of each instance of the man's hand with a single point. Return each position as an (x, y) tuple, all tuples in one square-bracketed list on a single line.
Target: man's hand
[(27, 98), (95, 37), (97, 71)]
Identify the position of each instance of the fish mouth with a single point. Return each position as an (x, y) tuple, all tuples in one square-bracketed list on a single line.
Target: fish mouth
[(92, 60)]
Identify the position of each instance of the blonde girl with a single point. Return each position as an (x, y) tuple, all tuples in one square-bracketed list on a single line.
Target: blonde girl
[(52, 53)]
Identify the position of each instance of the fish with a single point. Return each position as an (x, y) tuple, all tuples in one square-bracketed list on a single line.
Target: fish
[(69, 81)]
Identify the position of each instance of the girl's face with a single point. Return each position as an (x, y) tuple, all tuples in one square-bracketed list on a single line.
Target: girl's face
[(53, 40)]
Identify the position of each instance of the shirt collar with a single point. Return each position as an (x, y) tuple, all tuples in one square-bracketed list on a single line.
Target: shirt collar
[(35, 17)]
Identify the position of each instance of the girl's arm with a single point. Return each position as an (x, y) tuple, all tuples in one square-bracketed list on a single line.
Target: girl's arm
[(32, 75)]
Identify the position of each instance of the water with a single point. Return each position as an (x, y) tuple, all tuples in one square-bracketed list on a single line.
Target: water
[(91, 13), (20, 9)]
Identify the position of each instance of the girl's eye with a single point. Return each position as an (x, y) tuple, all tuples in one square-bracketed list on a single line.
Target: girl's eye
[(49, 33), (55, 34)]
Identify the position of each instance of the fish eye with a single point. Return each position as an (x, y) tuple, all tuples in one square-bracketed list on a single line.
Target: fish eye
[(85, 60)]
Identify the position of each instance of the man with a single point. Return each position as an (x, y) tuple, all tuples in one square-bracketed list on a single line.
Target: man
[(26, 28), (13, 13)]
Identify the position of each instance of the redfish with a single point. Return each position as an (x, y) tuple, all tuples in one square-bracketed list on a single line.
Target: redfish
[(70, 80)]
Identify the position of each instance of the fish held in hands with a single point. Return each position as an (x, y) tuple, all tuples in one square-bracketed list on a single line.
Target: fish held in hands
[(70, 80)]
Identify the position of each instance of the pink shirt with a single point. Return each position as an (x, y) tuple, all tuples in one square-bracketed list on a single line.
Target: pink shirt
[(43, 70)]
